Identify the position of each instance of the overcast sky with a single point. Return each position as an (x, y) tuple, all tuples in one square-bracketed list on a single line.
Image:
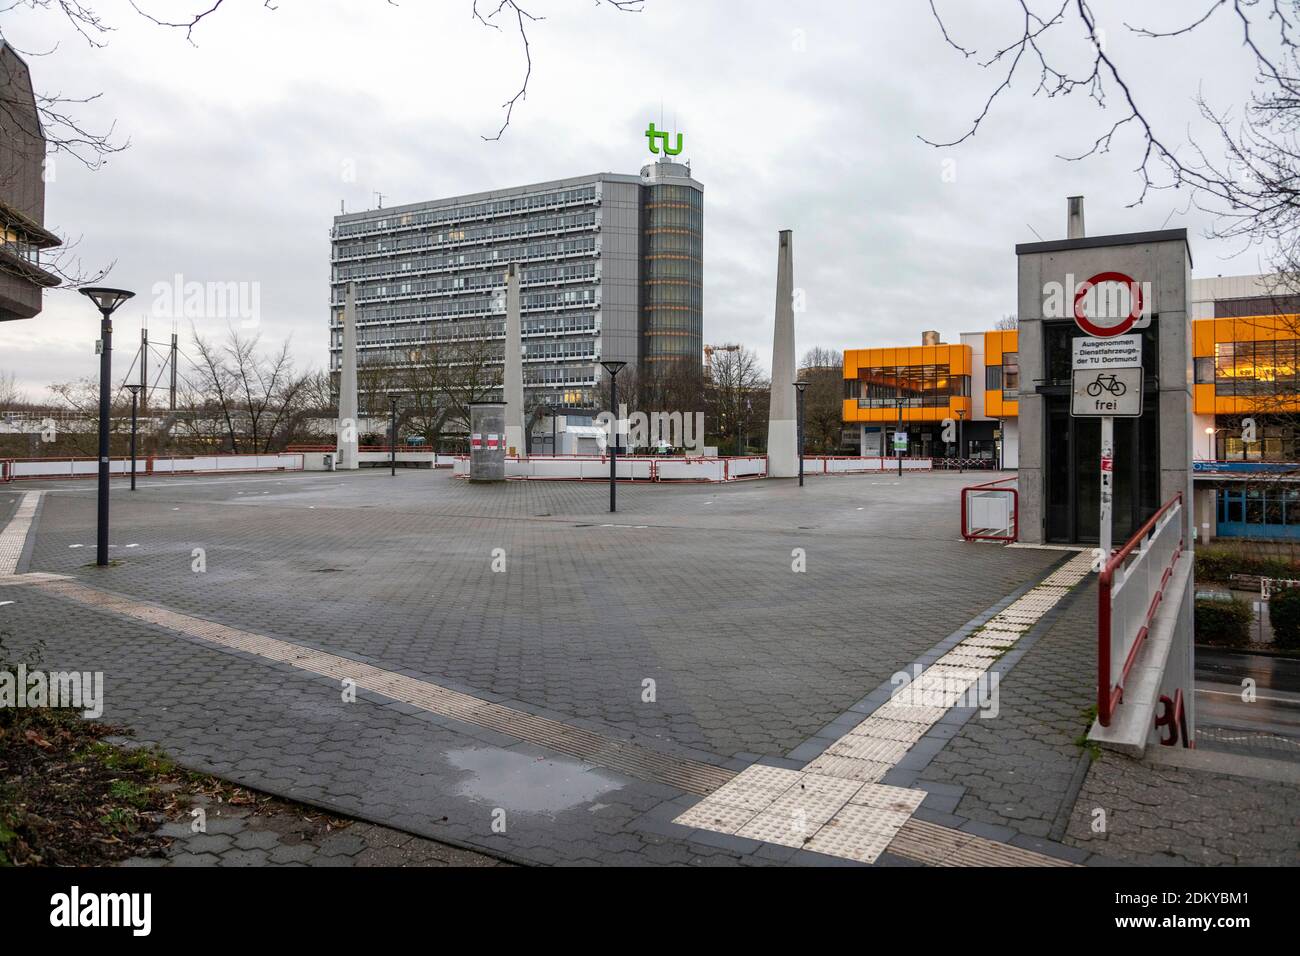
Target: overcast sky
[(795, 115)]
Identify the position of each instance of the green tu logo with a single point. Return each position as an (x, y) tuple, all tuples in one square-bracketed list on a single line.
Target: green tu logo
[(653, 134)]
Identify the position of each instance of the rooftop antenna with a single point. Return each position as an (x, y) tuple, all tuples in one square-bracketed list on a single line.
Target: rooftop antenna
[(380, 196)]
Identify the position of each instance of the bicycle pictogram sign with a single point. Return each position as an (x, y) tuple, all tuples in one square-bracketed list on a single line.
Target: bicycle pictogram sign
[(1108, 383)]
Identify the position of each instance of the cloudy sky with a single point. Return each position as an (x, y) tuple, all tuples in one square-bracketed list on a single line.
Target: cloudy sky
[(796, 115)]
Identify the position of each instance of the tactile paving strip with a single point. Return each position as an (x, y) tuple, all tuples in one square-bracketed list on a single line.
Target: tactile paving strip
[(814, 814), (14, 535)]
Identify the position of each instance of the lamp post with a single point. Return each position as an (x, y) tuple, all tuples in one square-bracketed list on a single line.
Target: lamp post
[(799, 390), (613, 368), (749, 409), (107, 301), (135, 398), (898, 452), (392, 433), (961, 413), (1209, 442)]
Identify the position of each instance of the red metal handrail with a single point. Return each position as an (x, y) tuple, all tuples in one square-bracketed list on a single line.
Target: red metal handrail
[(1109, 697), (1015, 511)]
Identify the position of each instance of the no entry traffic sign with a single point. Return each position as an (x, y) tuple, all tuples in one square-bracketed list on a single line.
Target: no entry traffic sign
[(1108, 304)]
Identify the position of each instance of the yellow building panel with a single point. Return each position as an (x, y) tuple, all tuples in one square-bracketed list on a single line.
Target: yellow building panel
[(1203, 399), (961, 360), (1203, 338)]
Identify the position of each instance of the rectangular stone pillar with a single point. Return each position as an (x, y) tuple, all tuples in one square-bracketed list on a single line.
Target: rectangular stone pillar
[(782, 455), (348, 425), (513, 381)]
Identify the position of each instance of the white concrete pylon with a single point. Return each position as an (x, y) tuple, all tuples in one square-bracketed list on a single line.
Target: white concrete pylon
[(782, 456), (514, 365), (347, 421)]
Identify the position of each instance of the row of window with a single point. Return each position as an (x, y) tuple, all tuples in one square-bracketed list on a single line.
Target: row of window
[(1004, 377), (1252, 368), (669, 193), (560, 375), (494, 207), (558, 323), (534, 225), (674, 216), (925, 386), (476, 305), (562, 349), (1279, 507), (15, 244), (494, 280), (1271, 440), (519, 252)]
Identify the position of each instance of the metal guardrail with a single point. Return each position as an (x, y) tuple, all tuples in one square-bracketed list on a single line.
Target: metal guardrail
[(990, 513), (1131, 588)]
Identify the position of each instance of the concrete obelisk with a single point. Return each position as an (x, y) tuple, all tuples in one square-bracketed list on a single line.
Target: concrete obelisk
[(782, 457), (514, 370), (347, 423)]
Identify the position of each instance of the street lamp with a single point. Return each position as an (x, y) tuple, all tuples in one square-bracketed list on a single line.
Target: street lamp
[(1209, 442), (961, 413), (749, 410), (392, 433), (135, 397), (898, 452), (799, 390), (107, 301), (613, 368)]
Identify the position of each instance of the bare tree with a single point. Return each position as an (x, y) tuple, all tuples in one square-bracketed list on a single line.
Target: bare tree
[(248, 397), (823, 370), (78, 426), (1247, 179), (11, 394), (1007, 323), (737, 396), (471, 366)]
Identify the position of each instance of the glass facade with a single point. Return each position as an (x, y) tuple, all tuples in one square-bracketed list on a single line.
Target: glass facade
[(1252, 369), (672, 293), (1273, 438), (1255, 512), (916, 386)]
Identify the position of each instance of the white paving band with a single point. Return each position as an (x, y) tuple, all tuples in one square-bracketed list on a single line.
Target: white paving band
[(837, 805), (690, 775), (14, 537)]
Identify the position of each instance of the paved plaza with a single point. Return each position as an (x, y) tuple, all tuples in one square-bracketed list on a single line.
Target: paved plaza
[(512, 670)]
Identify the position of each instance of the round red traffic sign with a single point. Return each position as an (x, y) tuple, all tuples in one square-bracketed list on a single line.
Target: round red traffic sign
[(1090, 324)]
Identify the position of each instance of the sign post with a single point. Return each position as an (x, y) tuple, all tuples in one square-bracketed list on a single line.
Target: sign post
[(1107, 384)]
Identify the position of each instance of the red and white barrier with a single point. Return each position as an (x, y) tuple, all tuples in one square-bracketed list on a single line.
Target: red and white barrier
[(652, 468), (21, 469)]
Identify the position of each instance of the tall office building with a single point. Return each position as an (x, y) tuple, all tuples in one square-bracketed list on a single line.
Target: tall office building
[(611, 269)]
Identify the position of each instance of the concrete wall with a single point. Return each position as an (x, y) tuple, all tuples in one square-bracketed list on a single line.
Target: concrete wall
[(618, 246), (1160, 258)]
